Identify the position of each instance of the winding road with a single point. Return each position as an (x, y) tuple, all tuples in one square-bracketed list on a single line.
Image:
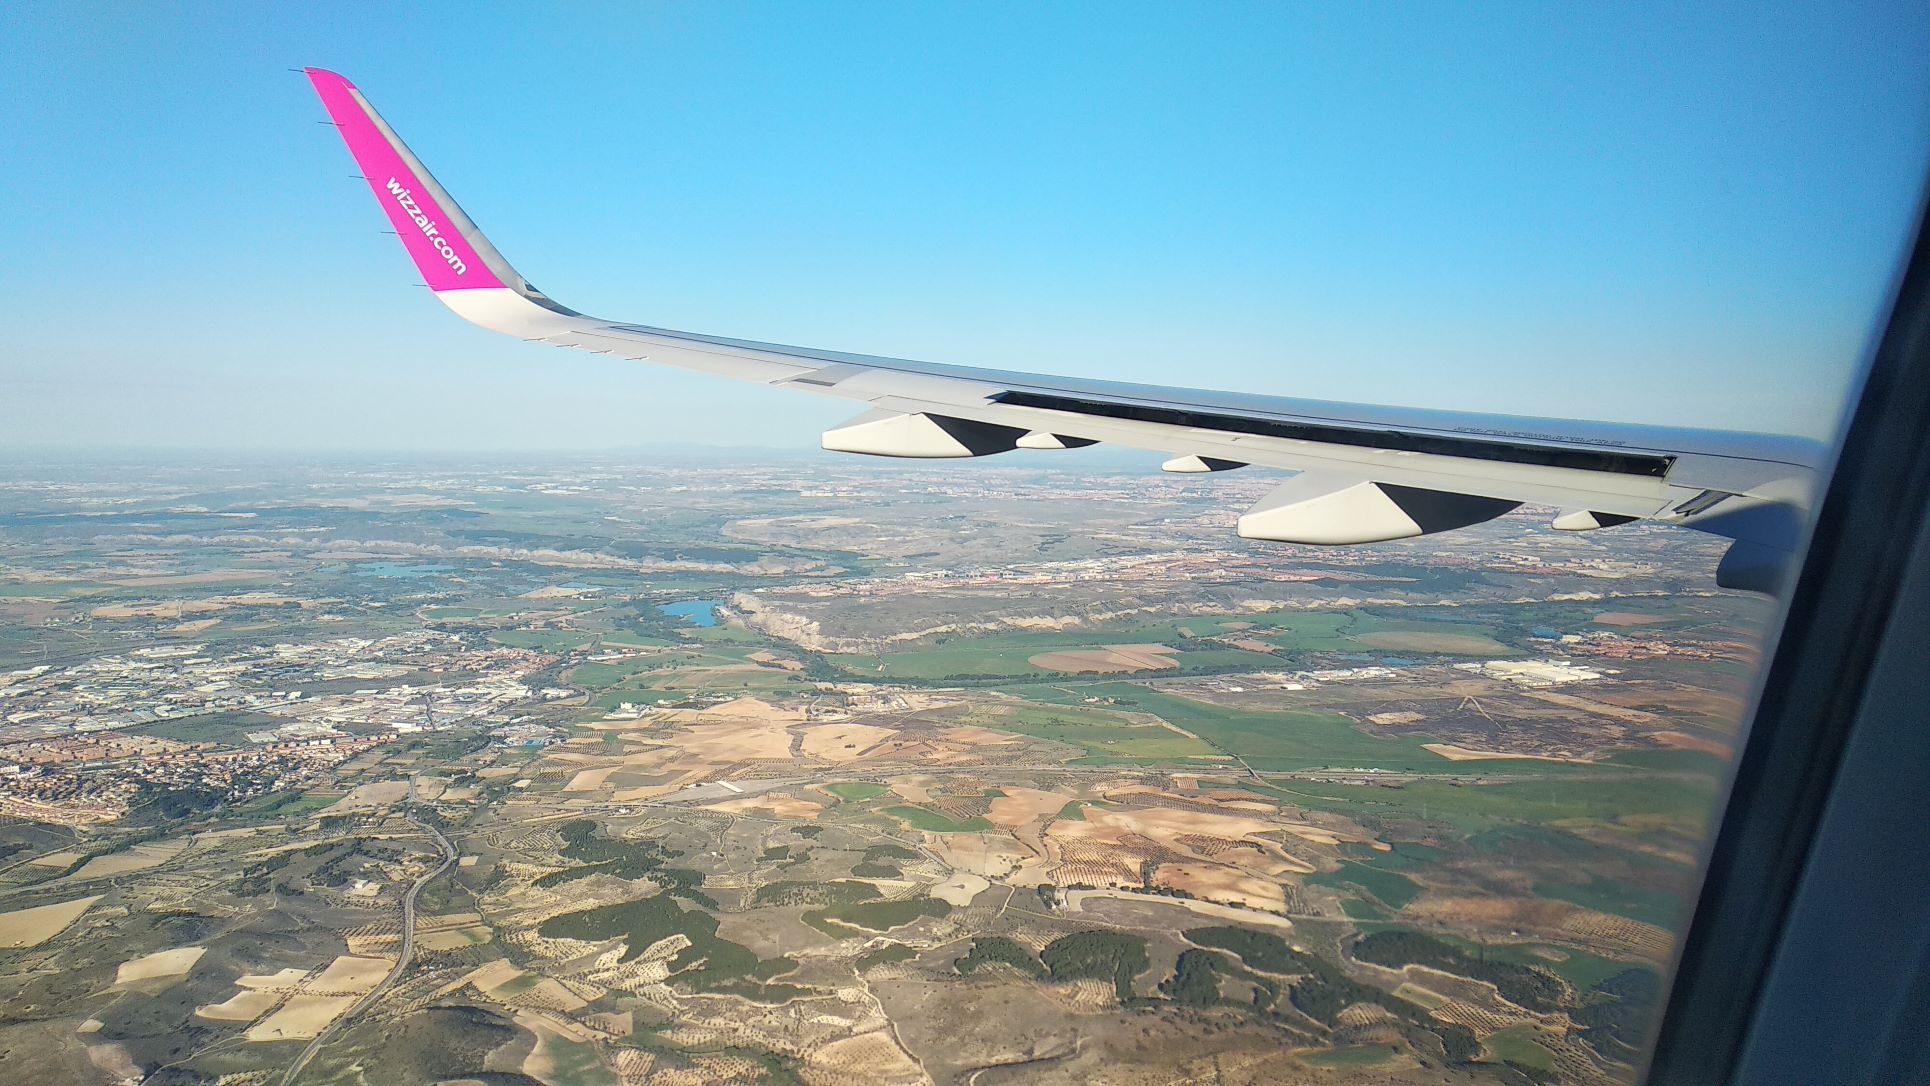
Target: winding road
[(401, 959)]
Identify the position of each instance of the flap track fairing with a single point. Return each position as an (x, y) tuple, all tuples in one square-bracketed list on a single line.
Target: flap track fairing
[(920, 436), (1327, 511)]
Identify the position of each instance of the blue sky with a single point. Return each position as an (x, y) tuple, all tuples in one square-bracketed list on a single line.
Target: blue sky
[(1611, 211)]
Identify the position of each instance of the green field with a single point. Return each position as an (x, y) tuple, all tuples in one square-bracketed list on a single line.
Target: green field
[(921, 819), (1399, 856), (601, 675), (1361, 909), (634, 695), (545, 640), (1516, 1044), (1008, 654), (626, 639), (435, 614), (1005, 655), (1516, 843), (1286, 740), (1473, 808), (855, 791), (668, 677), (725, 634), (210, 727), (52, 589), (1389, 888), (1102, 735), (670, 687), (889, 954), (1674, 761), (520, 985), (1352, 1056), (1338, 631), (1301, 632)]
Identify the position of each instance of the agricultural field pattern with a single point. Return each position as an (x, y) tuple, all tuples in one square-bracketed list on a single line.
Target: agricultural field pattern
[(577, 772)]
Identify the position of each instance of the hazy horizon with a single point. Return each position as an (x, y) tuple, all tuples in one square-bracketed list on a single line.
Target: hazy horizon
[(1564, 213)]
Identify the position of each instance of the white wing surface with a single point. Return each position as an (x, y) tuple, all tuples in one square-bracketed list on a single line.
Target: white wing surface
[(1366, 473)]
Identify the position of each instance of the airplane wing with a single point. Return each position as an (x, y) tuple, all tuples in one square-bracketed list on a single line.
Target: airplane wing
[(1366, 473)]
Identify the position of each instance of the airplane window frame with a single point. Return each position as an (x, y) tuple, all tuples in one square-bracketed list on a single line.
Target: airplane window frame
[(1773, 896)]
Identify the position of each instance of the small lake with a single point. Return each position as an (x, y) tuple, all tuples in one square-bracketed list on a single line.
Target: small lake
[(699, 612), (398, 569)]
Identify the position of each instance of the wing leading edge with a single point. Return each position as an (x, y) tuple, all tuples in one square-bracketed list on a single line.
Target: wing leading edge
[(1366, 473)]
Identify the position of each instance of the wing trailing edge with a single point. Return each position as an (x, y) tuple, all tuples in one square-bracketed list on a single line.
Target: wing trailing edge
[(1367, 473)]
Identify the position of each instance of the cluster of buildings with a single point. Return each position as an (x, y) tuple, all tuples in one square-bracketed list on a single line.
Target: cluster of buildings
[(103, 791), (78, 744), (1615, 646), (527, 736), (1547, 671), (1191, 567), (153, 686)]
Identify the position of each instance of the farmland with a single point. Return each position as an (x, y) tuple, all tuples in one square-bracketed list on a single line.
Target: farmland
[(945, 791)]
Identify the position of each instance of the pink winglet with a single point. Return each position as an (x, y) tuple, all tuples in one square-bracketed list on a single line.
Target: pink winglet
[(444, 257)]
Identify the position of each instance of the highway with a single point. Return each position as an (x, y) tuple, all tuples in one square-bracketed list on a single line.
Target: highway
[(401, 959)]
